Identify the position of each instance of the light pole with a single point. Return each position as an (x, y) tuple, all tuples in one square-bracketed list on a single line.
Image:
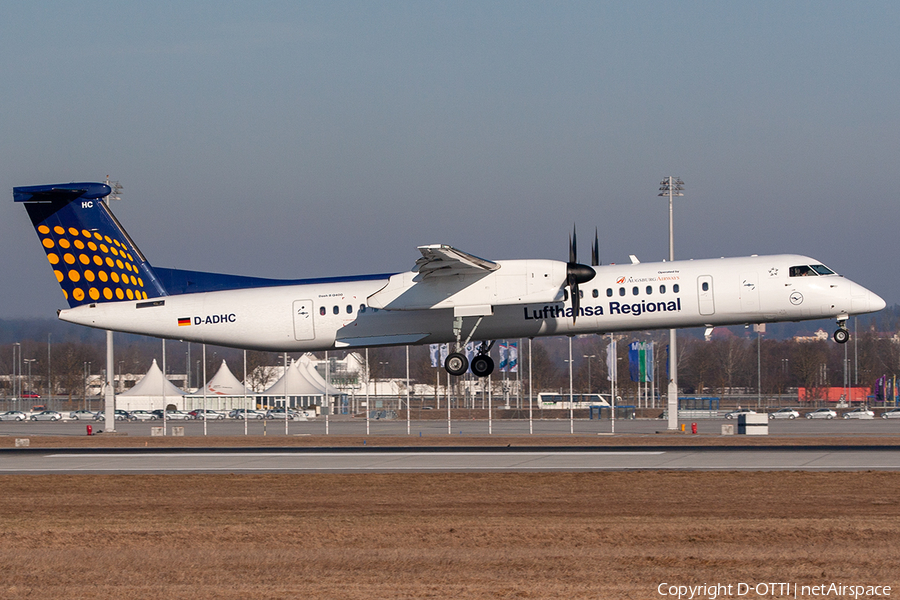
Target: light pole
[(671, 187), (589, 357), (14, 381), (382, 365), (28, 362)]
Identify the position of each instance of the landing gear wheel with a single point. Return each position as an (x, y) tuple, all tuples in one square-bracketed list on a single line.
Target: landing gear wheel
[(456, 363), (482, 365), (841, 336)]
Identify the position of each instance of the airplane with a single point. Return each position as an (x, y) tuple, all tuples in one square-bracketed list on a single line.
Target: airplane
[(449, 296)]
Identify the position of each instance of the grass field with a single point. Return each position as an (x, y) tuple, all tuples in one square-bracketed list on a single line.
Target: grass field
[(453, 536)]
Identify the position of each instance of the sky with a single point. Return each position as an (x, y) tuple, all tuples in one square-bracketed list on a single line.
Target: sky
[(306, 139)]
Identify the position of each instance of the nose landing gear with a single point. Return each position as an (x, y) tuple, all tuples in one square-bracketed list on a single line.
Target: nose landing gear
[(841, 334)]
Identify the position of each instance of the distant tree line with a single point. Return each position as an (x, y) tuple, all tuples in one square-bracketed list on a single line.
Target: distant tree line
[(734, 359)]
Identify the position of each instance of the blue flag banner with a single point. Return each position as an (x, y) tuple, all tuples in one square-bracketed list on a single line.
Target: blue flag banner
[(435, 350), (640, 361), (503, 347)]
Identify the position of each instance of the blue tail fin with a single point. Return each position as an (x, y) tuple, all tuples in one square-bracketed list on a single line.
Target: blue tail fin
[(93, 258)]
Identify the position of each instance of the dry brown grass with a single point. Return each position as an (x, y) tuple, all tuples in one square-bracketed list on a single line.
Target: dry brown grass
[(459, 536)]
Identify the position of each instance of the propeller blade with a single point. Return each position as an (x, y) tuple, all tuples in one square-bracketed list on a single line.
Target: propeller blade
[(595, 250), (576, 300), (573, 247), (577, 273)]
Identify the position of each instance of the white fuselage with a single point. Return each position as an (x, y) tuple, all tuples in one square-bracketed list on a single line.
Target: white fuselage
[(510, 304)]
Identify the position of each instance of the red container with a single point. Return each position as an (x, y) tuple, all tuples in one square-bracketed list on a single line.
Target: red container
[(694, 428), (90, 430)]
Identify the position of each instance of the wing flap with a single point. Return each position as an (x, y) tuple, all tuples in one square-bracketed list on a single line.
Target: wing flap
[(441, 260)]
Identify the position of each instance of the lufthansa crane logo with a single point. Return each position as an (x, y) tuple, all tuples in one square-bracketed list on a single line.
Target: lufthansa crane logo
[(796, 298)]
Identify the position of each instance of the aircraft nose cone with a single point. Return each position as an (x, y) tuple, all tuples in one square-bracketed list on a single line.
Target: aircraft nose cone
[(864, 300)]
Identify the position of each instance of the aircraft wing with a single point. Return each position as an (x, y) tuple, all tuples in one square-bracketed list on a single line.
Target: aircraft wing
[(445, 277), (440, 260)]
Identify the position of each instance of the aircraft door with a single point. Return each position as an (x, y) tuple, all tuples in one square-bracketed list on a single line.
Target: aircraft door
[(303, 320), (705, 295)]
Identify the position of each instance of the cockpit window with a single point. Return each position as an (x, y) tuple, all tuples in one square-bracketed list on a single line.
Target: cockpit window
[(822, 270), (803, 271)]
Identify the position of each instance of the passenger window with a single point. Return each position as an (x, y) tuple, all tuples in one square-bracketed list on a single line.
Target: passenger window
[(649, 289), (336, 310), (705, 286), (595, 293), (322, 310), (621, 291), (362, 308), (634, 291), (676, 288), (609, 292), (662, 289), (349, 309)]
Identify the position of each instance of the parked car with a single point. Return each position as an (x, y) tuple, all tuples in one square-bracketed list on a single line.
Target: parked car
[(784, 413), (27, 394), (171, 415), (741, 411), (47, 415), (238, 413), (143, 415), (120, 415), (821, 413), (79, 415), (13, 415), (894, 413), (859, 413), (278, 413), (211, 415)]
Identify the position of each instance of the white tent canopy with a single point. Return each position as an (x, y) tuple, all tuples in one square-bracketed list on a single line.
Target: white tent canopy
[(223, 383), (301, 379), (150, 392)]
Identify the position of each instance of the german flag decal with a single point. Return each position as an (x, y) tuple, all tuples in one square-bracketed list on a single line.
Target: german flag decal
[(184, 321)]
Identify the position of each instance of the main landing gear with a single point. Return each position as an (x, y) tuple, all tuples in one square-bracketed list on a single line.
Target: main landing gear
[(482, 364), (457, 363), (841, 335)]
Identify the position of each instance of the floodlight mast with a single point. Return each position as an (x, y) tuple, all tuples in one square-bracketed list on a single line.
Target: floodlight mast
[(109, 404), (671, 187)]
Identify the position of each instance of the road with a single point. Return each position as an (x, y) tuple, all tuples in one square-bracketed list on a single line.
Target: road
[(455, 460)]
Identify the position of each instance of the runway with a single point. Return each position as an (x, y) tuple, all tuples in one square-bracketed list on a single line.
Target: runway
[(456, 460)]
